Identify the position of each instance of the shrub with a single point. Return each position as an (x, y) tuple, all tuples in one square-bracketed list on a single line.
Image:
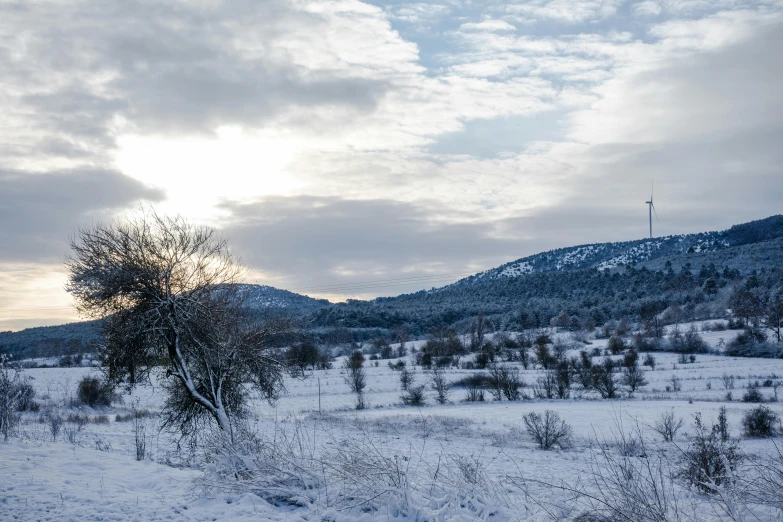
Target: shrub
[(440, 386), (406, 378), (709, 462), (649, 360), (546, 385), (615, 345), (10, 381), (79, 420), (548, 430), (505, 382), (355, 377), (414, 396), (475, 394), (604, 380), (752, 394), (135, 414), (140, 437), (398, 366), (759, 422), (480, 380), (633, 378), (728, 381), (667, 426), (92, 391), (722, 426), (482, 360), (25, 398), (55, 424)]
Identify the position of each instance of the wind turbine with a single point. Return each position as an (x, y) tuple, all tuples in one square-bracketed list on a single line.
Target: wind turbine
[(651, 208)]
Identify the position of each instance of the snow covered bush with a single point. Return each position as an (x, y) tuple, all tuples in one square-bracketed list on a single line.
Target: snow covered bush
[(709, 462), (548, 430)]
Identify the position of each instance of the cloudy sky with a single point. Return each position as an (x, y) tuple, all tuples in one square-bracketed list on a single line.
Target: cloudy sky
[(357, 149)]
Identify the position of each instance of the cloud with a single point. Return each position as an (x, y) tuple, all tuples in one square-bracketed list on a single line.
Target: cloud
[(646, 8), (566, 11), (313, 242), (39, 211), (488, 25)]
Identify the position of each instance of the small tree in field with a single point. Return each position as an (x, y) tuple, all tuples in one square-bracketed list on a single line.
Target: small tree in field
[(355, 377), (166, 291), (548, 430), (440, 385)]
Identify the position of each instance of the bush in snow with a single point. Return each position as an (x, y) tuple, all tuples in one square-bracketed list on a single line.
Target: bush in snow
[(440, 385), (760, 422), (667, 426), (93, 391), (604, 381), (406, 378), (414, 396), (548, 430), (752, 394), (55, 425), (10, 395), (505, 381), (709, 462), (356, 377)]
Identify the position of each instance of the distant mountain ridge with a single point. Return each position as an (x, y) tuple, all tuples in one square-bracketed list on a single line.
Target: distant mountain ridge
[(612, 255)]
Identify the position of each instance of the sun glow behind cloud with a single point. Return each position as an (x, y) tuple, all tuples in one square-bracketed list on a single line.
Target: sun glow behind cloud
[(198, 173)]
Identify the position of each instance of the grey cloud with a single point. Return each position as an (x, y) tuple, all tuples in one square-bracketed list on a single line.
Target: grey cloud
[(304, 242), (714, 123), (168, 67), (38, 212)]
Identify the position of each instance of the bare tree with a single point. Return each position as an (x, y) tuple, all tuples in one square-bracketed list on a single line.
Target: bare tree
[(166, 290), (667, 426), (356, 379)]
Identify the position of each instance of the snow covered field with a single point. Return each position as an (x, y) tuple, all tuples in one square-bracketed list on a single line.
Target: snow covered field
[(478, 455)]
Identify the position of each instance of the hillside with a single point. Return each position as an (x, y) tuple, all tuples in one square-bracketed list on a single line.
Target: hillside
[(612, 255), (596, 283)]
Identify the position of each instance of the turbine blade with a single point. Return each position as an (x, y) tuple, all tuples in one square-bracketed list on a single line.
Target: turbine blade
[(656, 212)]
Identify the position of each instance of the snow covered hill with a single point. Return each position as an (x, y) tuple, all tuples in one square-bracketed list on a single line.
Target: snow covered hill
[(260, 297), (605, 256)]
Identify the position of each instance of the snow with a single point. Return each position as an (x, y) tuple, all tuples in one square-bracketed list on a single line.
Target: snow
[(45, 480)]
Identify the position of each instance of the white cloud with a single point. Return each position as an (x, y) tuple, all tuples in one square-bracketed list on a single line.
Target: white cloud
[(566, 11), (488, 25), (647, 8)]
